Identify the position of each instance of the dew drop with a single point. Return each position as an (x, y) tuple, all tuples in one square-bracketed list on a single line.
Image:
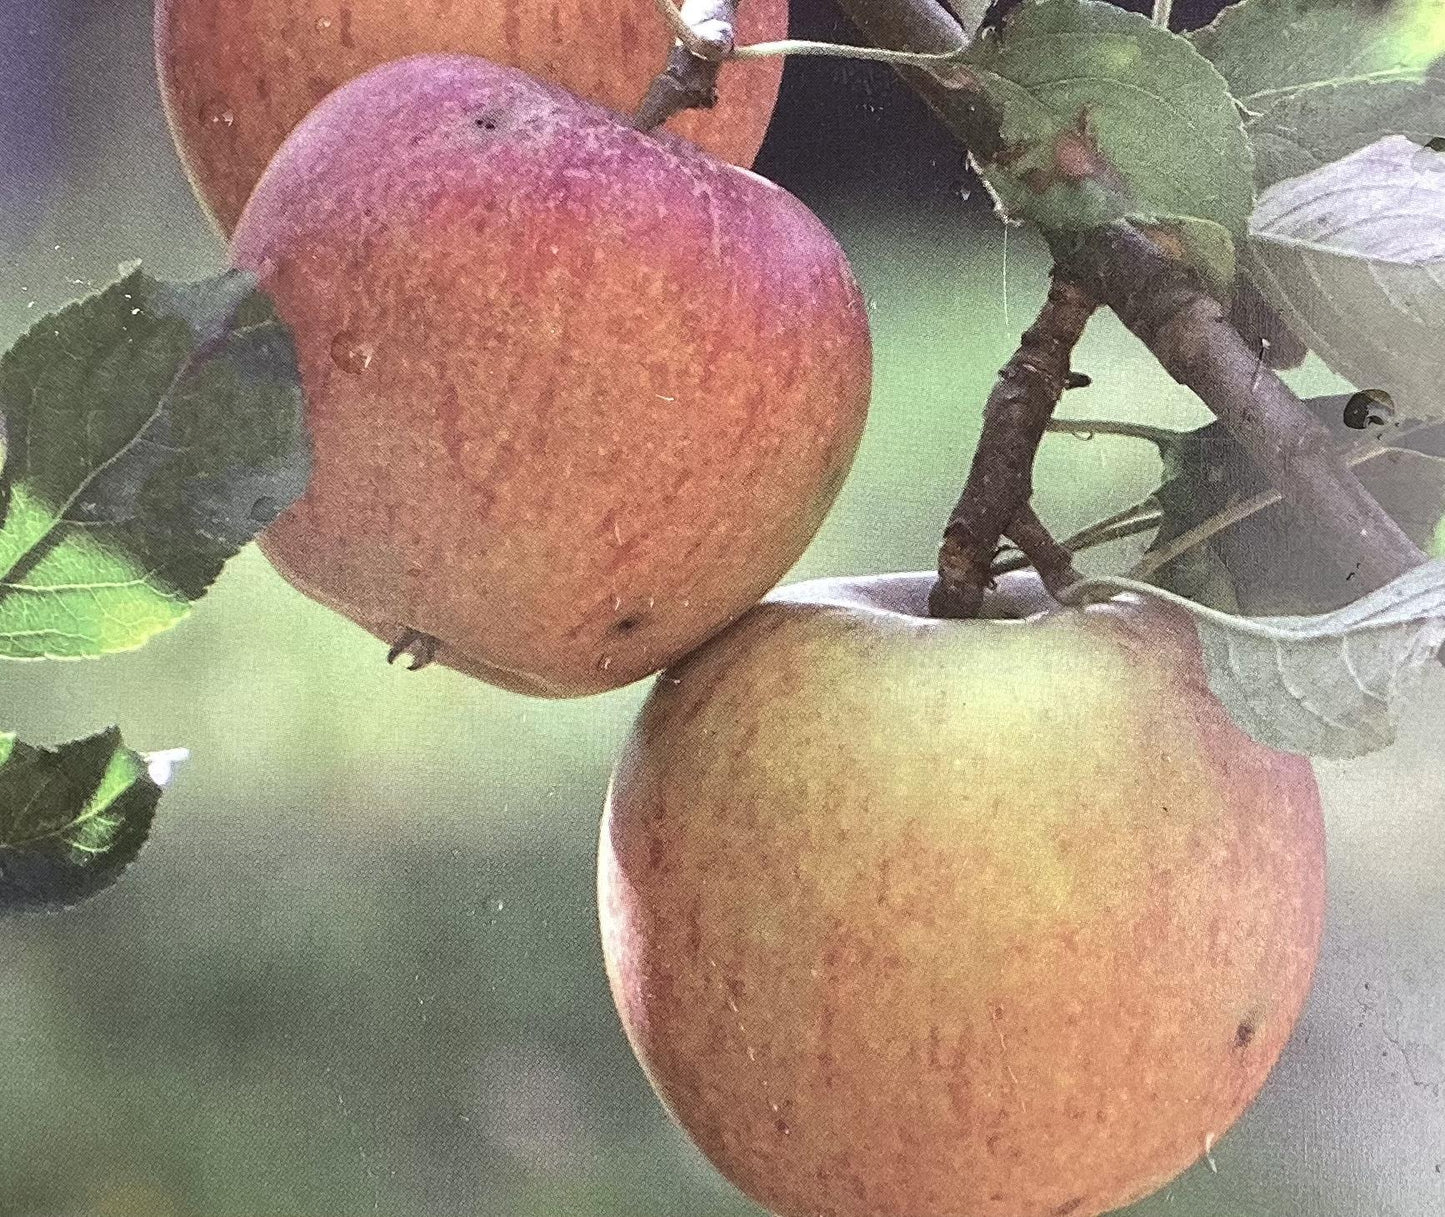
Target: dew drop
[(323, 24), (218, 113), (351, 354)]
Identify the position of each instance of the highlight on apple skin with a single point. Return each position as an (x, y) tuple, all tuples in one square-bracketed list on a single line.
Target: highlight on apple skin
[(578, 395), (954, 919), (237, 78)]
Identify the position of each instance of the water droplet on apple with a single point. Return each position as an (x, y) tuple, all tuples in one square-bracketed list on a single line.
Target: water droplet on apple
[(218, 113), (323, 24), (351, 354)]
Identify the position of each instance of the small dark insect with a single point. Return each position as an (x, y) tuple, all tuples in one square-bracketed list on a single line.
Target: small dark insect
[(997, 14), (1368, 407)]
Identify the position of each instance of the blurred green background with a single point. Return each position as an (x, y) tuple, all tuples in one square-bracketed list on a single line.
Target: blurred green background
[(356, 970)]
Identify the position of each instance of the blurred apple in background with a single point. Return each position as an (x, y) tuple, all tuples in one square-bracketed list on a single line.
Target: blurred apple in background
[(954, 919), (236, 78), (579, 395)]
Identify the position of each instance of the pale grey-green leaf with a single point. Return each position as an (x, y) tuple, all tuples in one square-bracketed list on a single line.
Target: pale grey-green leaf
[(1353, 257), (1330, 685)]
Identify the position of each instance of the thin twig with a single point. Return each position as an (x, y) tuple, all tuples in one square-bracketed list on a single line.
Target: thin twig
[(1237, 513), (1159, 436), (1054, 562), (704, 30), (706, 44), (843, 50), (1142, 517)]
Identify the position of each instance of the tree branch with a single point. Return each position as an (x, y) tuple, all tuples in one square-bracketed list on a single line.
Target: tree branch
[(926, 25), (1000, 480), (1166, 306)]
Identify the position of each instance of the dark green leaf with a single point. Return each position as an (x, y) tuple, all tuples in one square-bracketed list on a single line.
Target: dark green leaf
[(1106, 116), (150, 432), (1320, 79), (71, 819)]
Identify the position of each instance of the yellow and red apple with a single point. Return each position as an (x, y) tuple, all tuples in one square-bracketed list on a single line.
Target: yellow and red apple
[(934, 918), (579, 395)]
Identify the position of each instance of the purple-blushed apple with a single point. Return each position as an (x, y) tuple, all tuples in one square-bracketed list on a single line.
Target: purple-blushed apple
[(909, 917), (237, 78), (578, 395)]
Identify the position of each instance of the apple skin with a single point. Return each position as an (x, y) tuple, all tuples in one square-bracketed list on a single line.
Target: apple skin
[(578, 395), (922, 918), (236, 78)]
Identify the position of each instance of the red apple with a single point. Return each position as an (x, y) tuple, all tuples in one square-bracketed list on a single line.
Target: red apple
[(919, 918), (578, 395), (237, 77)]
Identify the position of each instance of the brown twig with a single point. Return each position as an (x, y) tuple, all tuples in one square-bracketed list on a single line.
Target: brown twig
[(1166, 306), (1052, 560), (689, 79), (1000, 480)]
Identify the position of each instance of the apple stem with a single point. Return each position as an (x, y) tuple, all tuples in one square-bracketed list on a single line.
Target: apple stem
[(688, 81), (996, 496)]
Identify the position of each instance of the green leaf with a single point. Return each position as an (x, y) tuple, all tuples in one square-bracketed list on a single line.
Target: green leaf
[(71, 819), (1327, 685), (1105, 116), (150, 432), (1320, 79), (1353, 257)]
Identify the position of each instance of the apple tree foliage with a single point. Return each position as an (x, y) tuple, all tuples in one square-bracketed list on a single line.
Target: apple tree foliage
[(152, 430)]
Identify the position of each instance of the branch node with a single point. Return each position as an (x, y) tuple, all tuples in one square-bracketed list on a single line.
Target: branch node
[(1000, 480)]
